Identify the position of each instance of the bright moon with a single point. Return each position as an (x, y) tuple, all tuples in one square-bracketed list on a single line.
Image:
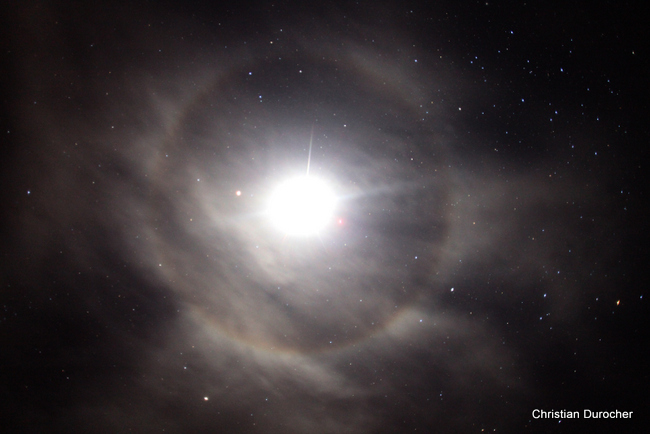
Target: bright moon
[(302, 206)]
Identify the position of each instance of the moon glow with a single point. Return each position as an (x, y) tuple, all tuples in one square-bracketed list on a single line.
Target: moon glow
[(302, 206)]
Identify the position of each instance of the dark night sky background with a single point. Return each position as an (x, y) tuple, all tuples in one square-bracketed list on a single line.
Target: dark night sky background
[(489, 160)]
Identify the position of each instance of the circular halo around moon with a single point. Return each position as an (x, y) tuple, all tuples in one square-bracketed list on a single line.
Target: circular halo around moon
[(253, 290), (302, 206)]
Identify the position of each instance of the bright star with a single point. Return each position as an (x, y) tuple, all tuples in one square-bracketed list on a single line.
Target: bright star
[(302, 206)]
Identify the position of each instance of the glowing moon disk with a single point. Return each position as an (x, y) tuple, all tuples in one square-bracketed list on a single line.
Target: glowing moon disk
[(302, 206)]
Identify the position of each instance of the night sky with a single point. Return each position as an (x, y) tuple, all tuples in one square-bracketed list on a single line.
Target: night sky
[(486, 257)]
